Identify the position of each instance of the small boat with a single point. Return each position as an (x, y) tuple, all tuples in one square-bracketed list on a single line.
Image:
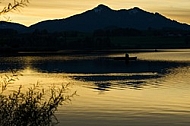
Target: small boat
[(126, 58)]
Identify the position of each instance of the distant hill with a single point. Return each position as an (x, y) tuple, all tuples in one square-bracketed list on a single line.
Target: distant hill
[(110, 29), (102, 17), (14, 26)]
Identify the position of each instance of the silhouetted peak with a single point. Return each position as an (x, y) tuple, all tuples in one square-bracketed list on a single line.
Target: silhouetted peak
[(102, 16), (158, 14), (101, 8), (135, 10)]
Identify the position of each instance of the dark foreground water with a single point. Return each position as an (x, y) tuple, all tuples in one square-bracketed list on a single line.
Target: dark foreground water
[(152, 91)]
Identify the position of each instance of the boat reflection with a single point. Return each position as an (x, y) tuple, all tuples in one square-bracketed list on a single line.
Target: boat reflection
[(103, 72), (102, 86)]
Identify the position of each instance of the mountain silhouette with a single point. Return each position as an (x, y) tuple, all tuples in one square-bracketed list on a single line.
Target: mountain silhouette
[(102, 17), (14, 26)]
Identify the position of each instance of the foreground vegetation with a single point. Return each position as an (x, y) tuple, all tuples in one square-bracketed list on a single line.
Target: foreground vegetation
[(13, 6), (32, 107)]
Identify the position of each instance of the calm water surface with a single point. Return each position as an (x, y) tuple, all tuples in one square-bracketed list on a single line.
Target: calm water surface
[(152, 91)]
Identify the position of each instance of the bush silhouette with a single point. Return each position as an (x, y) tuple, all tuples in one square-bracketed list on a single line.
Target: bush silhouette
[(32, 107)]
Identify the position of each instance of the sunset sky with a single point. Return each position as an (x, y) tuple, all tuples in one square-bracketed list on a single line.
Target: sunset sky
[(39, 10)]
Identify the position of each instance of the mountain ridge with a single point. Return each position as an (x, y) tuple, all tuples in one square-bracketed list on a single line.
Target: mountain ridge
[(15, 26), (102, 17)]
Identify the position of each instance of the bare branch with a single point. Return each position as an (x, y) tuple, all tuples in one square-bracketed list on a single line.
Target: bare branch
[(14, 6)]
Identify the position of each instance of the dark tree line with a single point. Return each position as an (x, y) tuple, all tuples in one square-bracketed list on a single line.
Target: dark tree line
[(99, 39), (43, 40), (136, 32)]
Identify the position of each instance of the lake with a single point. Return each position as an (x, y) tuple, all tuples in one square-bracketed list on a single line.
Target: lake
[(154, 90)]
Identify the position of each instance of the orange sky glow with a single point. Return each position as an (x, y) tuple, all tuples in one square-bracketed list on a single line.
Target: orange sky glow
[(39, 10)]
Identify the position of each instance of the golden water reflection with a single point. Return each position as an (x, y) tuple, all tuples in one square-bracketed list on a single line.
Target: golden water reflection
[(154, 90), (167, 104)]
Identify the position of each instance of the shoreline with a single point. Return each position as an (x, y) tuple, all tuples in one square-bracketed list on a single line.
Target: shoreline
[(74, 52)]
